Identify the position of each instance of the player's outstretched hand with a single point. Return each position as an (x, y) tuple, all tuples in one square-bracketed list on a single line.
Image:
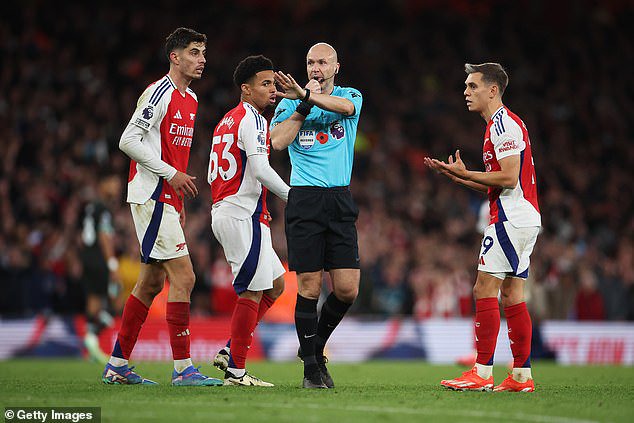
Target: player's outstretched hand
[(453, 169), (184, 185), (290, 88), (456, 167), (432, 164)]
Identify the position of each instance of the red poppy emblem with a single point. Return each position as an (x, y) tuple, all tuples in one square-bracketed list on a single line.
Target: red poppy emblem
[(322, 138)]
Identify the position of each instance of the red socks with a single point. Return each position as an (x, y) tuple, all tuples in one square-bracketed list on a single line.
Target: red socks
[(243, 322), (134, 315), (487, 326), (520, 333), (177, 316), (265, 303)]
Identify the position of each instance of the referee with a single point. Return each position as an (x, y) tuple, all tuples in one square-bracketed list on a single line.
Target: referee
[(318, 124)]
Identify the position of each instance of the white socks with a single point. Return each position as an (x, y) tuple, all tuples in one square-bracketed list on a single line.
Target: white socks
[(117, 362), (180, 365), (522, 374), (483, 371), (237, 372)]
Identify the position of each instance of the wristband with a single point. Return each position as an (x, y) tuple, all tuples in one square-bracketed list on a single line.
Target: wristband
[(303, 108), (307, 95), (113, 264)]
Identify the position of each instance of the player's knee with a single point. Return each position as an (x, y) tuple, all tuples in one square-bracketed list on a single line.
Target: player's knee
[(187, 281), (309, 291), (511, 297), (348, 294), (150, 287), (478, 291), (154, 289), (277, 290), (251, 295)]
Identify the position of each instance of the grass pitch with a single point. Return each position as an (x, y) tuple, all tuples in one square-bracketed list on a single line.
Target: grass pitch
[(375, 391)]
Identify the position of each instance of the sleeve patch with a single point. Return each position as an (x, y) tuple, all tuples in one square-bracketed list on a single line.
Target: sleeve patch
[(508, 145), (148, 112), (141, 123), (261, 139)]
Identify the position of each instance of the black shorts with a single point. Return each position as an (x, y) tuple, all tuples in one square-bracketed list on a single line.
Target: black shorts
[(320, 229), (95, 279)]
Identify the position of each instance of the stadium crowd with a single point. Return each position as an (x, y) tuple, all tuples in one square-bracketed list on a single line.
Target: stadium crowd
[(69, 83)]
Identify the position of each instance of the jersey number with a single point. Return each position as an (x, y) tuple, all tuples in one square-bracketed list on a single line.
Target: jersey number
[(89, 232), (216, 168), (487, 243)]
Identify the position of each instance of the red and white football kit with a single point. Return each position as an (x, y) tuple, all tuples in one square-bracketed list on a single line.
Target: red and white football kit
[(514, 212), (158, 140), (239, 212)]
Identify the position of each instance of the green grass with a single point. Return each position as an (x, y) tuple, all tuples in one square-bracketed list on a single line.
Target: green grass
[(374, 391)]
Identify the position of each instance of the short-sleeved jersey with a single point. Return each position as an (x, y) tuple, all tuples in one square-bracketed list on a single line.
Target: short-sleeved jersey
[(168, 118), (322, 154), (506, 135), (235, 191)]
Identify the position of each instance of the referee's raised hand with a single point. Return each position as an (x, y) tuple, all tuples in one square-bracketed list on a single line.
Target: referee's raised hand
[(184, 184), (290, 88)]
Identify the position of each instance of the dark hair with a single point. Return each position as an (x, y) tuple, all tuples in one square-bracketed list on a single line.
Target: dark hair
[(250, 66), (492, 73), (180, 39)]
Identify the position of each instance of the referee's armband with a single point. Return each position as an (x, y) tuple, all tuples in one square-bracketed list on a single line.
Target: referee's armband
[(304, 108)]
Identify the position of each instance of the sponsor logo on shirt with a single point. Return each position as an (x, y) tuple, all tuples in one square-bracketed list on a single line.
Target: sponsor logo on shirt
[(183, 134), (507, 146), (178, 115), (181, 130)]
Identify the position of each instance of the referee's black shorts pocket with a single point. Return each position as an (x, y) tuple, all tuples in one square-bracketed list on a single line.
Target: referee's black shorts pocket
[(345, 208)]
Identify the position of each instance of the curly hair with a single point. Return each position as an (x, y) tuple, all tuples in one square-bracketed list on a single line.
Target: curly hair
[(249, 67)]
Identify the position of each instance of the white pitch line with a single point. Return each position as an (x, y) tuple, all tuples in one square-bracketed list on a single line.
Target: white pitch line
[(435, 412)]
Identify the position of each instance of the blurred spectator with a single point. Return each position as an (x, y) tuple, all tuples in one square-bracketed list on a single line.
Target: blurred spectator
[(67, 86), (589, 302)]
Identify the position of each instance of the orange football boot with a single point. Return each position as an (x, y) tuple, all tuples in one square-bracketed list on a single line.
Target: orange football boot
[(469, 381), (511, 385)]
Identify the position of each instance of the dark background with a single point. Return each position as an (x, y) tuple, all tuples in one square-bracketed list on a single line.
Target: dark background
[(71, 73)]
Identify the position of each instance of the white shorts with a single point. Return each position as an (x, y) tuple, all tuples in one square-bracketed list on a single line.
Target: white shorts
[(249, 251), (159, 231), (506, 250)]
